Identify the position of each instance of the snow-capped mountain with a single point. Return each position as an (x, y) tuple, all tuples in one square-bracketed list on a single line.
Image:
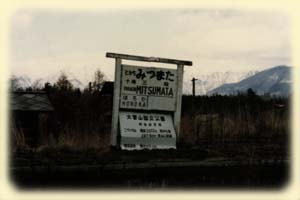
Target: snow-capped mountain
[(25, 82), (206, 83), (20, 81), (273, 81)]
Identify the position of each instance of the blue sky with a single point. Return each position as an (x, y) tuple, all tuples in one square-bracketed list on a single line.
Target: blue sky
[(46, 42)]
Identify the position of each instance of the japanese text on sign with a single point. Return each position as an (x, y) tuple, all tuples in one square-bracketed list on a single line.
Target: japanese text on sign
[(148, 88), (145, 130)]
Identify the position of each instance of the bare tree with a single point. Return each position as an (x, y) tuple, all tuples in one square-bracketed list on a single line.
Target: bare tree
[(99, 79), (63, 83)]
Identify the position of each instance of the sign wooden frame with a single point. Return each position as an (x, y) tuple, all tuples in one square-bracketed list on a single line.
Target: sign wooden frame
[(116, 99)]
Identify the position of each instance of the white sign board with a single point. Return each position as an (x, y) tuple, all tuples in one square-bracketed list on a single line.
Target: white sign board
[(146, 131), (148, 88)]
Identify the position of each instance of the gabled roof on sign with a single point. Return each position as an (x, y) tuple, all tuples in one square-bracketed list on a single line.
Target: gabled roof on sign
[(30, 101)]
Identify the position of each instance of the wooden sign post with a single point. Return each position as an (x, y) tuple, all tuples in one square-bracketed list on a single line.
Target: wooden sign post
[(145, 100)]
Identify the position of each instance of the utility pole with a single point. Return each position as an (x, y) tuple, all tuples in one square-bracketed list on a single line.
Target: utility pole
[(193, 80), (195, 131)]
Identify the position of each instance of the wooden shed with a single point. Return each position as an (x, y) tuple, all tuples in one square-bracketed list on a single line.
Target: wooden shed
[(30, 112)]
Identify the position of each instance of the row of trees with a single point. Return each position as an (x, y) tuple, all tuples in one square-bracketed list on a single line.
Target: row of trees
[(62, 83)]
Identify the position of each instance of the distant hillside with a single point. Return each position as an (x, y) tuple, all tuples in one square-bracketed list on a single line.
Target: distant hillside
[(273, 81)]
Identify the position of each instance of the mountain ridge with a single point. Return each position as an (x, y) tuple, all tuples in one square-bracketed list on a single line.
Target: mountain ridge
[(273, 81)]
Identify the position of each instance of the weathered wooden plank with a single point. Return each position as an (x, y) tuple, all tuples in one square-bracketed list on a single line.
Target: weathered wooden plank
[(177, 114), (116, 100), (149, 59)]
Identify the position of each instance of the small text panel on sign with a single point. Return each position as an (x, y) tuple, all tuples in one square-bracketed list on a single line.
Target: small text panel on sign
[(146, 130), (134, 101), (157, 85)]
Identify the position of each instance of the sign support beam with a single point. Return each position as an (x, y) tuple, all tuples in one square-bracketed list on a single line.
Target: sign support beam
[(149, 59), (177, 114), (116, 101)]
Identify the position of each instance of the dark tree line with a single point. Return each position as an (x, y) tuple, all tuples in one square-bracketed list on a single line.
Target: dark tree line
[(79, 112), (236, 118), (79, 116)]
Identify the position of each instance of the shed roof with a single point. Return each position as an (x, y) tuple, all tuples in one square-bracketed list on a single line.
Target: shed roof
[(30, 101)]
